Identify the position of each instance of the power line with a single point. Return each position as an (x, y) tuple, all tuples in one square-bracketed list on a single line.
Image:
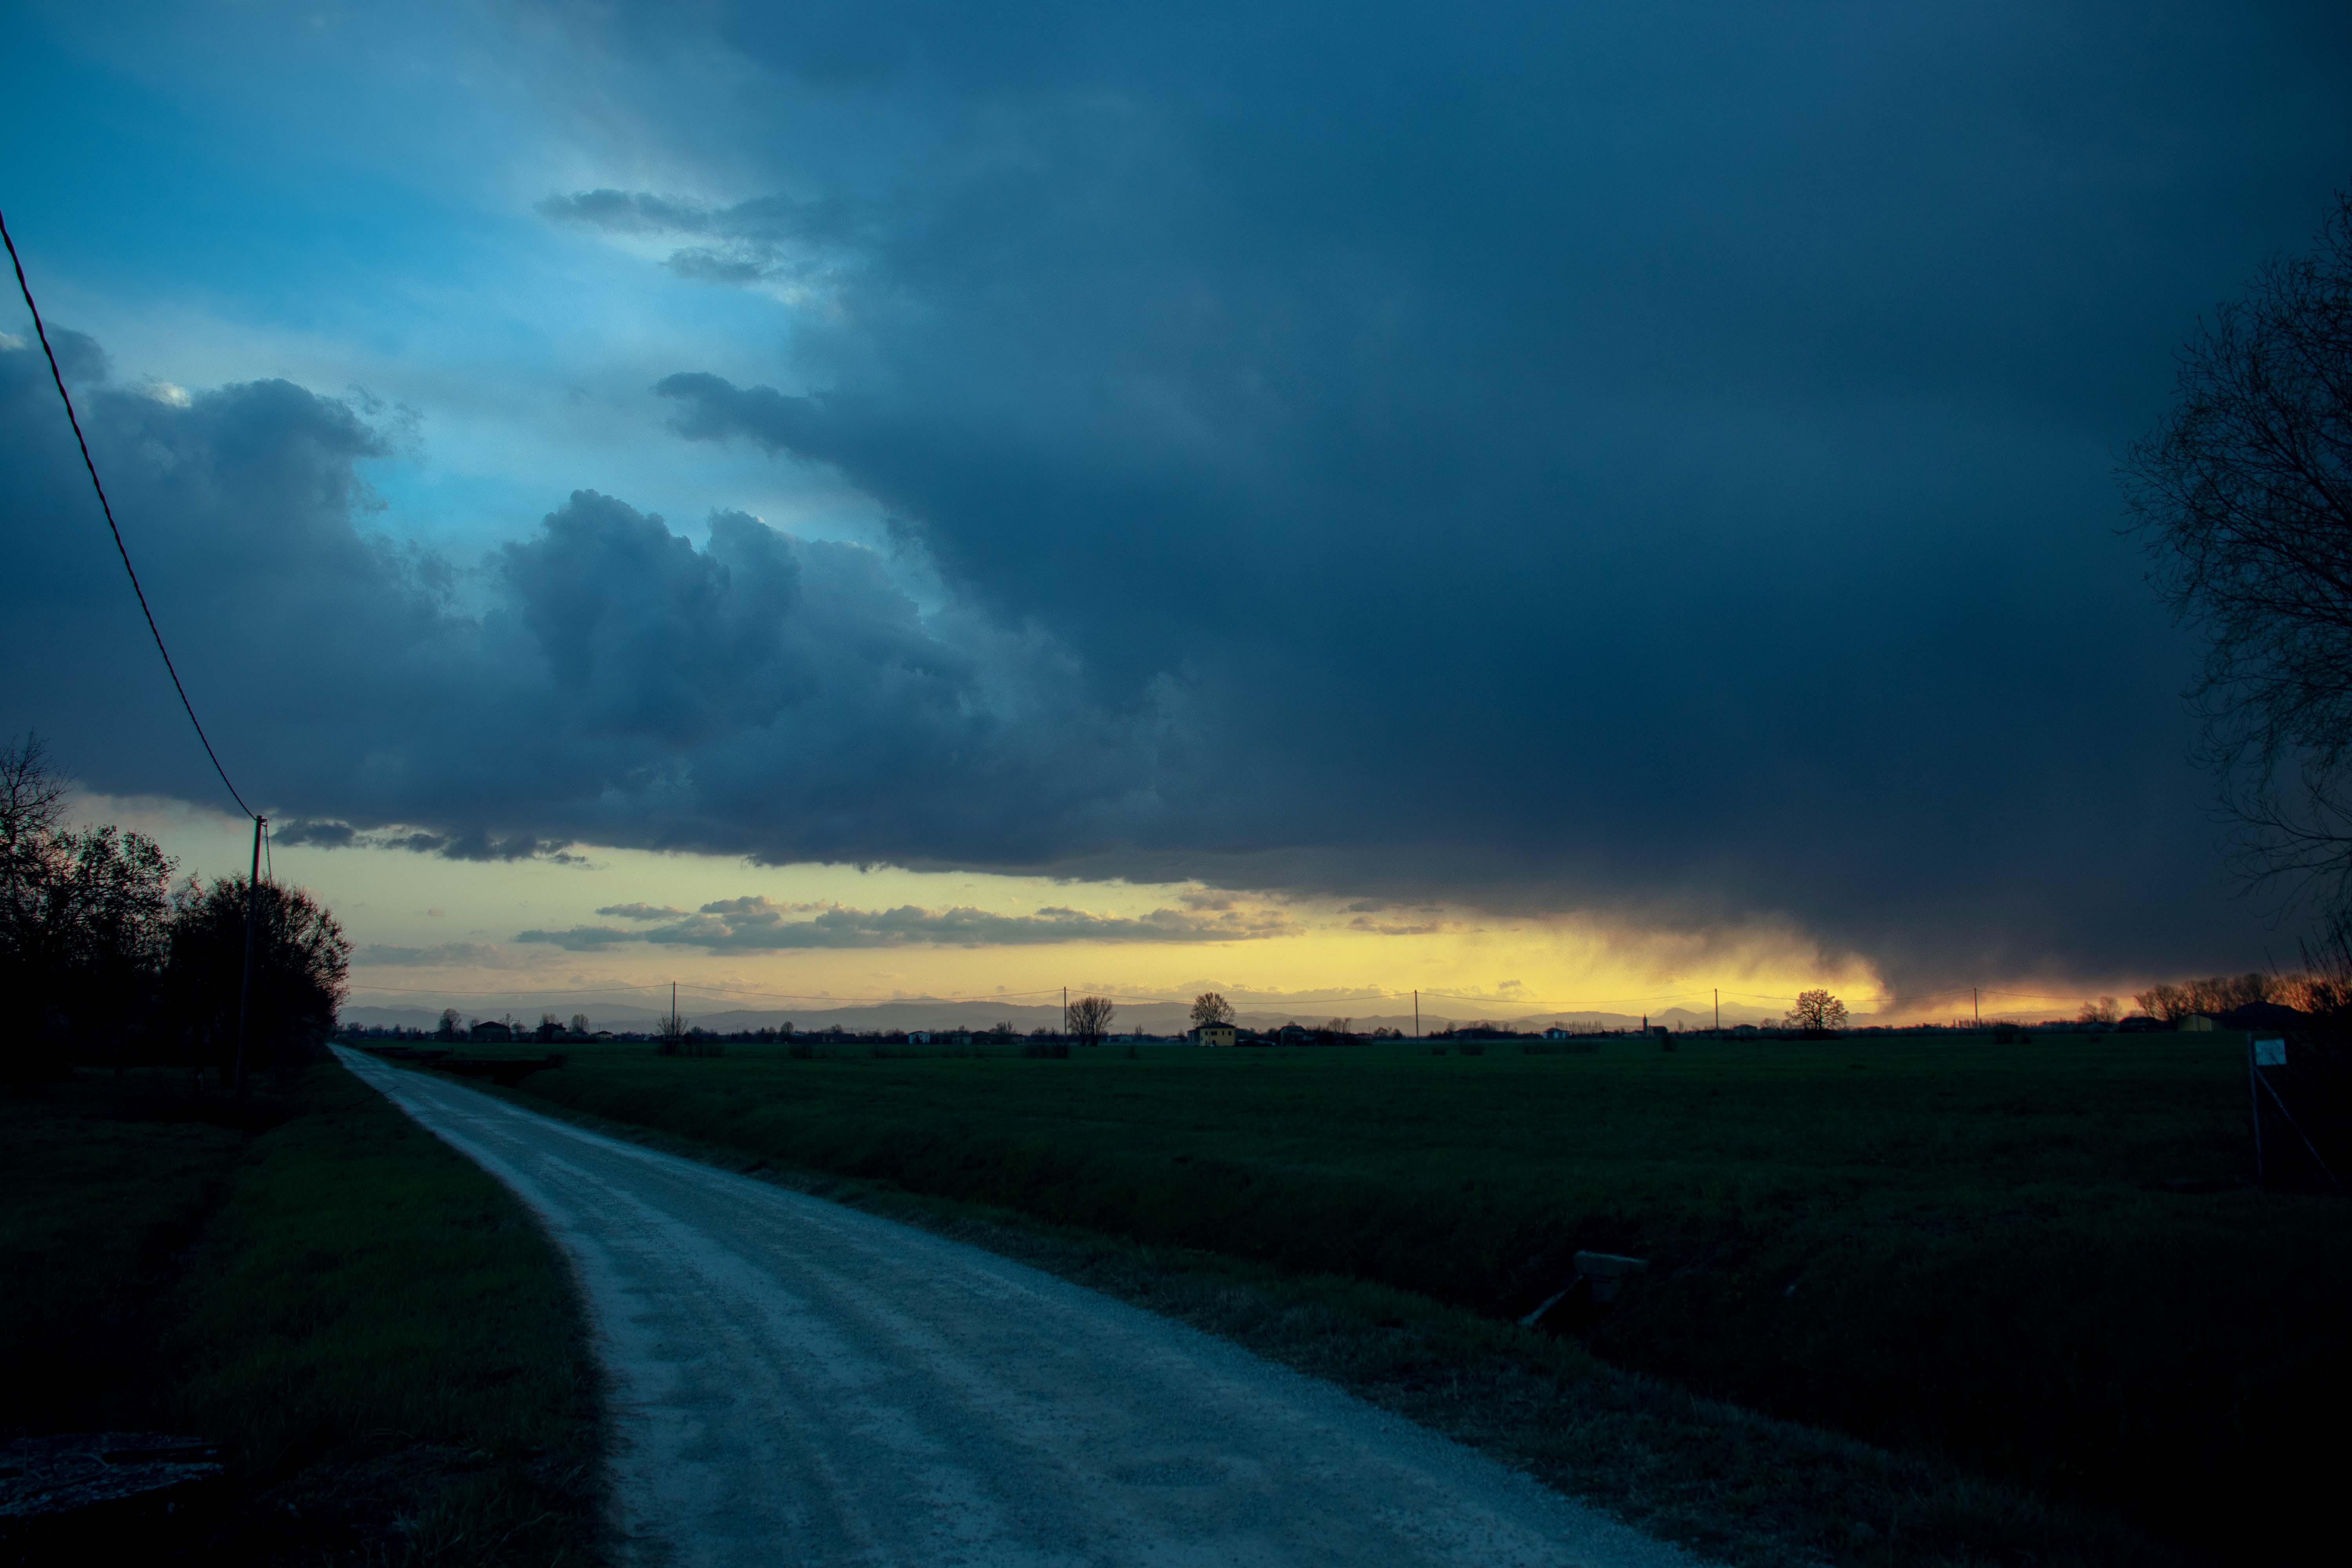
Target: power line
[(107, 507)]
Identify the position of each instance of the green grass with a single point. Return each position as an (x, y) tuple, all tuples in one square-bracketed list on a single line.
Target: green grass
[(390, 1352), (1963, 1251), (107, 1183)]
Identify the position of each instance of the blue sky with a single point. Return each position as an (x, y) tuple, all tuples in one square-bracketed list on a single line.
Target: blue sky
[(1566, 468)]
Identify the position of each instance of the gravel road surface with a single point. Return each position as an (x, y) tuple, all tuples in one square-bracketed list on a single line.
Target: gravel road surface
[(795, 1381)]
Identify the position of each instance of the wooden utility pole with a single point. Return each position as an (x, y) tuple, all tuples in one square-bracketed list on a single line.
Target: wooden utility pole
[(1718, 1009), (252, 919), (1416, 1015)]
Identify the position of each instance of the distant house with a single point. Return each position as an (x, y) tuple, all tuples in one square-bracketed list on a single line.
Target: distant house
[(489, 1029), (918, 1037), (1213, 1035), (2197, 1024), (1556, 1033)]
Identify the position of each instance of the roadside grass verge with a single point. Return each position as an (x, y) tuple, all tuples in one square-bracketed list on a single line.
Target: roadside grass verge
[(1722, 1480), (108, 1181), (389, 1351)]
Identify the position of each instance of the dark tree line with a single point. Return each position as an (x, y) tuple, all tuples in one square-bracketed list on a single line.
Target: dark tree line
[(116, 965)]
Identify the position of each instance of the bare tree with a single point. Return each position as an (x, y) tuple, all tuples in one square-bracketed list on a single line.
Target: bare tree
[(1210, 1009), (2242, 496), (2101, 1012), (1090, 1019), (1816, 1010), (580, 1023), (2217, 994), (32, 803), (453, 1023)]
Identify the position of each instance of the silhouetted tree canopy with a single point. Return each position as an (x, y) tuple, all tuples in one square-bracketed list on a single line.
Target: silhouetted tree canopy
[(1816, 1010), (83, 916), (1208, 1008), (300, 962), (2243, 497)]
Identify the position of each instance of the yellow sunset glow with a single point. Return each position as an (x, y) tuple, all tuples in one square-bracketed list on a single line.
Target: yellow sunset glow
[(427, 930)]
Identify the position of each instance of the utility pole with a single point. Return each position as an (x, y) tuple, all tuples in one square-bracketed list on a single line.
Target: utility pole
[(1416, 1015), (252, 919), (1718, 1009), (673, 1007), (1065, 1012), (1976, 1012)]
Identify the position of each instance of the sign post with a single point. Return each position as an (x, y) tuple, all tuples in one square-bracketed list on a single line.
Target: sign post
[(2260, 1054)]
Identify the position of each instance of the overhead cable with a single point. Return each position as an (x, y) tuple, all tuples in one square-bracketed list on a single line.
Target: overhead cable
[(56, 375)]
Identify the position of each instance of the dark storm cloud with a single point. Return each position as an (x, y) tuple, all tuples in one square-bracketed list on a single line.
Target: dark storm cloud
[(756, 925), (316, 835), (474, 844), (1652, 461), (1645, 459)]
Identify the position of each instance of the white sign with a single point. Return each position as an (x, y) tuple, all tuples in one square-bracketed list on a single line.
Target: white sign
[(2270, 1053)]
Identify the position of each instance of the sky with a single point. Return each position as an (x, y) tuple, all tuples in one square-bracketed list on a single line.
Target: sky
[(1561, 506)]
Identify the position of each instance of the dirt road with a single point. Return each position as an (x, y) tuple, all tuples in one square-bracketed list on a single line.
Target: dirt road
[(799, 1382)]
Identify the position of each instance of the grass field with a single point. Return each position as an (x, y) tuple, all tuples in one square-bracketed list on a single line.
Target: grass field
[(1956, 1248), (388, 1350)]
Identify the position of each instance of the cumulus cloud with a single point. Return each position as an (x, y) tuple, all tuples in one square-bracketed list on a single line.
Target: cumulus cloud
[(604, 679), (755, 925)]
